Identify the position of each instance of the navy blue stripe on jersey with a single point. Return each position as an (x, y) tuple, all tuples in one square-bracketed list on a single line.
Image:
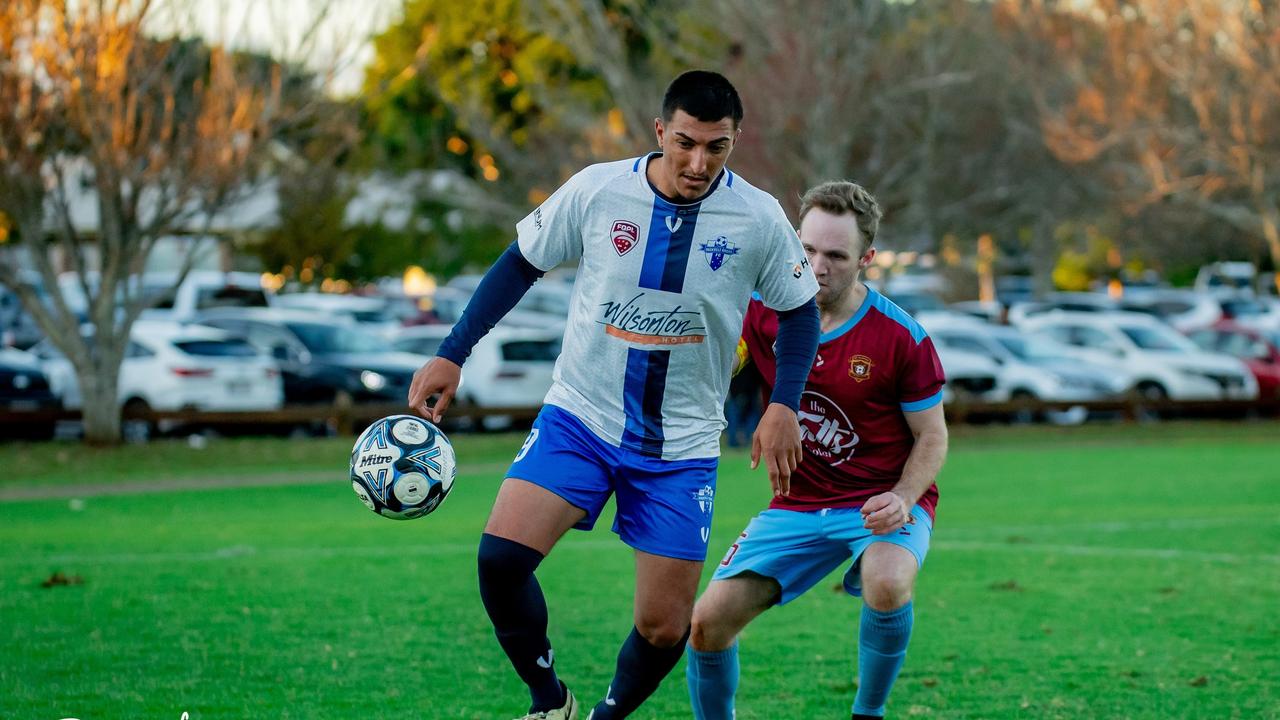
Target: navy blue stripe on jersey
[(642, 393), (666, 252)]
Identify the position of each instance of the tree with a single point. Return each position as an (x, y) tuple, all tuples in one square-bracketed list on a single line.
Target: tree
[(167, 132), (1168, 100)]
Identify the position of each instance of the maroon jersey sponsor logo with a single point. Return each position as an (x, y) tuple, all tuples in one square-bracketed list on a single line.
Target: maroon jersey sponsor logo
[(826, 429), (860, 367), (625, 235)]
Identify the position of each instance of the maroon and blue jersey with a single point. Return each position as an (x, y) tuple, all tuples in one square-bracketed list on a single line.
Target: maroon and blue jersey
[(868, 372)]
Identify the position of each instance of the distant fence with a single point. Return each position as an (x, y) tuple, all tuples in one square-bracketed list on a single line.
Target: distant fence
[(346, 418)]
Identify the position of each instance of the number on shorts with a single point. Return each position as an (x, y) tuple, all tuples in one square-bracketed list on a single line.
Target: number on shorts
[(733, 550), (528, 443)]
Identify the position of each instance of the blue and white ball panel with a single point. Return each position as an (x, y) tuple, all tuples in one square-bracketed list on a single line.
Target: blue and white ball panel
[(800, 548), (664, 507)]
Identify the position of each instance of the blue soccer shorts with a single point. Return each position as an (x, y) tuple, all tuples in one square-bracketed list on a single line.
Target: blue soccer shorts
[(664, 507), (799, 548)]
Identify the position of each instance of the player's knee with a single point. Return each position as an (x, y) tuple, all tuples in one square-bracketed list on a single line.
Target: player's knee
[(707, 635), (504, 562), (662, 632), (887, 591)]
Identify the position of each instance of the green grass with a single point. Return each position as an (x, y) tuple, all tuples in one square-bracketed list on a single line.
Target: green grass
[(1096, 572)]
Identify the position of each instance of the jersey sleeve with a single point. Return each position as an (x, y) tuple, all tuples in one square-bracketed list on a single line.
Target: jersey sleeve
[(552, 234), (920, 386), (786, 281)]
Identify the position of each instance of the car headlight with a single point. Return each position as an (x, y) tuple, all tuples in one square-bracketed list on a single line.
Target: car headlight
[(372, 380)]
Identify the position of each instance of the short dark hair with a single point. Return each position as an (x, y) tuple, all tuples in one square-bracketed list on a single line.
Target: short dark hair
[(707, 96), (841, 197)]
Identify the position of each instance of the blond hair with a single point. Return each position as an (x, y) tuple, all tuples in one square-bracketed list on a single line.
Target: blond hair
[(841, 197)]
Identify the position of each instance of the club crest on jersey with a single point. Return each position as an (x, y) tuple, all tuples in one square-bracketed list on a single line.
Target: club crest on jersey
[(718, 250), (706, 498), (625, 235), (860, 367)]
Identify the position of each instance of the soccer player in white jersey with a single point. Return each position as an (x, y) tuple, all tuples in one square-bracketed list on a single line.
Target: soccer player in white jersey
[(670, 247)]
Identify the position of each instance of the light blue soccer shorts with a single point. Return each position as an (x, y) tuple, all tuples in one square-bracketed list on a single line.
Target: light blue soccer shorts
[(799, 548), (664, 507)]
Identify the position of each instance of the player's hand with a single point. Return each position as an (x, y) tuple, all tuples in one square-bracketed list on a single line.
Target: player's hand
[(777, 440), (886, 513), (439, 377)]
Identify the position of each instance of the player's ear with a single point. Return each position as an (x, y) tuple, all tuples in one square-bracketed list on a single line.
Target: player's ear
[(865, 261), (658, 129)]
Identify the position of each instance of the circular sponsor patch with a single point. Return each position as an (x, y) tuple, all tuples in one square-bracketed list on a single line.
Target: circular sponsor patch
[(410, 431), (412, 488)]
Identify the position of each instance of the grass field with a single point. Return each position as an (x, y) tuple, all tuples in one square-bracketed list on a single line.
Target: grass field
[(1096, 572)]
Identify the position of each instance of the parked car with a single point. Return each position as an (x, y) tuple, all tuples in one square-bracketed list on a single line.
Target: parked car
[(1163, 363), (1081, 302), (368, 313), (174, 366), (1024, 374), (969, 377), (1226, 276), (24, 388), (321, 359), (18, 328), (1184, 310), (1251, 311), (1259, 350), (509, 367), (544, 306), (202, 290)]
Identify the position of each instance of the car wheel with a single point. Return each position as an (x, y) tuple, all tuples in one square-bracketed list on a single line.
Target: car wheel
[(134, 427), (1022, 415), (1152, 391)]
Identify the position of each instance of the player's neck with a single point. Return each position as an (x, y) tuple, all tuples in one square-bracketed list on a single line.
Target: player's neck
[(839, 312)]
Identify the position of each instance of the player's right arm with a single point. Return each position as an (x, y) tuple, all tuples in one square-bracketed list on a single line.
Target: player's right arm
[(548, 236)]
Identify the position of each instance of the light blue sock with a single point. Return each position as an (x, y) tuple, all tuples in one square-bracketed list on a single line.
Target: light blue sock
[(882, 647), (713, 681)]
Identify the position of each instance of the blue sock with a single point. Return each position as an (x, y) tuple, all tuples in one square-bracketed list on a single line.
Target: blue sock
[(515, 604), (713, 681), (641, 668), (882, 647)]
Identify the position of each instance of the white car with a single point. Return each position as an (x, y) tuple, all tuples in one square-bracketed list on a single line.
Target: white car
[(1184, 310), (1038, 369), (509, 367), (369, 313), (171, 366), (1163, 363), (969, 377)]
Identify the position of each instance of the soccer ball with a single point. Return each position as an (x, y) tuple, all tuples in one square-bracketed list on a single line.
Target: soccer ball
[(402, 467)]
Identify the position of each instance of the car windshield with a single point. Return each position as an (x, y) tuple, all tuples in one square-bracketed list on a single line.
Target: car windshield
[(1242, 308), (230, 296), (529, 350), (328, 339), (1016, 345), (1154, 338)]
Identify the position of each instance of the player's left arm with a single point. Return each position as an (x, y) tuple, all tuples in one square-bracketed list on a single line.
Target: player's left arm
[(887, 512)]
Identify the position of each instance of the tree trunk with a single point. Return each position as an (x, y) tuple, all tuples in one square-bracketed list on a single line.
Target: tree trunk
[(1271, 231), (101, 409), (1044, 255)]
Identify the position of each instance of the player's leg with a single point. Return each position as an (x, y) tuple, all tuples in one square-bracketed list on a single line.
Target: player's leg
[(776, 559), (555, 483), (664, 511), (526, 522), (888, 581), (884, 572), (720, 614), (665, 591)]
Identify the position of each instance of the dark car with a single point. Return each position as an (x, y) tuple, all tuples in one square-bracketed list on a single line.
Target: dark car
[(24, 389), (1259, 350), (321, 358)]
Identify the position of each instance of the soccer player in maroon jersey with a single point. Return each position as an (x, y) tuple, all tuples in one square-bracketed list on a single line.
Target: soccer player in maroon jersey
[(874, 440)]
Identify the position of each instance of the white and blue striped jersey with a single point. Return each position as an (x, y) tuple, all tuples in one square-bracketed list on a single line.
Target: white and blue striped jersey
[(659, 299)]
